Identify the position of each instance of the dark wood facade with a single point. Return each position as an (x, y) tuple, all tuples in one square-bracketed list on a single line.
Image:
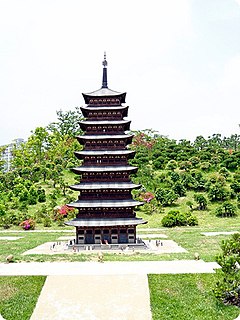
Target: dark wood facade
[(105, 204)]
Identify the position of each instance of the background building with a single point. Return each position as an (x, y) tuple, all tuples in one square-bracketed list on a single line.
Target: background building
[(7, 155)]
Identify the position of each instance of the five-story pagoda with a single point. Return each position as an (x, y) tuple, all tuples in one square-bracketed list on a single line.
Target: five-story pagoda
[(105, 204)]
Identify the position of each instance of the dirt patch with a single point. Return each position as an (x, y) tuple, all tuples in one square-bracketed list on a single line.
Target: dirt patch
[(7, 291)]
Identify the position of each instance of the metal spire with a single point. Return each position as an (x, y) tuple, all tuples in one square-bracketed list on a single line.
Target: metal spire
[(104, 78)]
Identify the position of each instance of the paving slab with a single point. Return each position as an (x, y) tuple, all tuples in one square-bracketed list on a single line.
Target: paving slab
[(107, 268), (152, 235), (124, 297), (10, 238), (60, 247), (217, 233)]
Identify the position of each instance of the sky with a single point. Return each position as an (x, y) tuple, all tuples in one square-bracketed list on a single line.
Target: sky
[(178, 61)]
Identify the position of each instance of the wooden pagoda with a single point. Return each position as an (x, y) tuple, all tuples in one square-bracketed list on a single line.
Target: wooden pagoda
[(105, 204)]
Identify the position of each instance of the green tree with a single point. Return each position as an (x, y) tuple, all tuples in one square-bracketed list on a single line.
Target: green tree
[(165, 196), (179, 189), (32, 196), (67, 123), (171, 165), (218, 193), (201, 200)]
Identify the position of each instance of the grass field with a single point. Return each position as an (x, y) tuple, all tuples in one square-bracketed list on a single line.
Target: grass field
[(18, 296), (187, 296), (172, 296)]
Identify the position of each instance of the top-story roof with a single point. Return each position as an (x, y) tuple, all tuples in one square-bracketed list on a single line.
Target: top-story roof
[(104, 91)]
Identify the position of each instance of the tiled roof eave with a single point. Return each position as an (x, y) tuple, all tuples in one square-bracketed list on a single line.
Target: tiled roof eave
[(105, 222), (105, 203)]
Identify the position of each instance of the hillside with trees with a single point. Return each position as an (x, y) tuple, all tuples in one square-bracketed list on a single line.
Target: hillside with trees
[(178, 178)]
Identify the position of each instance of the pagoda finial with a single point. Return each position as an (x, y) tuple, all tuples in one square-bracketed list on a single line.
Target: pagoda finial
[(104, 79)]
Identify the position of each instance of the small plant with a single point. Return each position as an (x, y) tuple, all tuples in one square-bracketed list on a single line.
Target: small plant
[(176, 218), (5, 221), (47, 222), (28, 224)]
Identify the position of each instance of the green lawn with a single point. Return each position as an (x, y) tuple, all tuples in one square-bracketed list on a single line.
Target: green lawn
[(189, 238), (18, 296), (188, 297), (172, 296)]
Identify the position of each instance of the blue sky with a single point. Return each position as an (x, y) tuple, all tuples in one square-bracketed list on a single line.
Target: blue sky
[(178, 61)]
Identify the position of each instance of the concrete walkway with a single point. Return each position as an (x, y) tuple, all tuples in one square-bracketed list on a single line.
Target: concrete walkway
[(94, 298), (107, 268), (99, 291)]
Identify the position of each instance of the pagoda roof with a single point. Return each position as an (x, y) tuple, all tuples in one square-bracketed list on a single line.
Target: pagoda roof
[(86, 110), (104, 136), (105, 122), (103, 169), (105, 203), (105, 222), (82, 154), (104, 92), (105, 185), (125, 123), (94, 108)]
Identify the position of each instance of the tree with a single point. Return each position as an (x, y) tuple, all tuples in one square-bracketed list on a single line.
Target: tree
[(179, 189), (67, 124), (171, 165), (201, 200), (200, 143), (165, 196), (217, 193), (32, 196)]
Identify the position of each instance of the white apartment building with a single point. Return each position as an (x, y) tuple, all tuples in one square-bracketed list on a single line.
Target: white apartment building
[(7, 153)]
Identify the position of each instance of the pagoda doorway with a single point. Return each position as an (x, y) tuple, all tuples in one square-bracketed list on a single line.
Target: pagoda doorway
[(106, 236), (89, 239), (123, 237)]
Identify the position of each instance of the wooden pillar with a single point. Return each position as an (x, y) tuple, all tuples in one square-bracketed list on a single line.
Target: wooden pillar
[(118, 233), (76, 235)]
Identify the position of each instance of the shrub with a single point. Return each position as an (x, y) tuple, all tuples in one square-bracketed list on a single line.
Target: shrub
[(224, 171), (179, 189), (227, 209), (41, 195), (47, 222), (5, 221), (171, 165), (227, 288), (205, 166), (176, 218), (28, 224)]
